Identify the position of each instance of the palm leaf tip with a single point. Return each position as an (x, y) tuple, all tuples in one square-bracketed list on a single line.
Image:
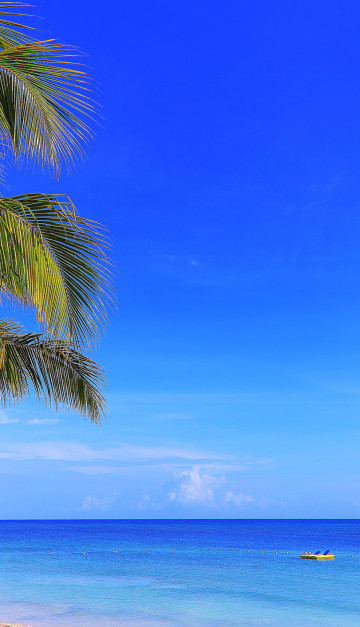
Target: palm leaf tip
[(57, 262), (9, 34), (46, 111), (59, 374)]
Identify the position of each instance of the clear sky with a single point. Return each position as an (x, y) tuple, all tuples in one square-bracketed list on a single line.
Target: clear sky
[(227, 169)]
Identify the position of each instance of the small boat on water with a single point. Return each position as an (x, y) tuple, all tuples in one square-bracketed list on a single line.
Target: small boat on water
[(317, 556)]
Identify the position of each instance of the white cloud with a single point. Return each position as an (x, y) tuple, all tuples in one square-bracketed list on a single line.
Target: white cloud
[(181, 461), (126, 453), (93, 502), (43, 421), (147, 503), (54, 451), (158, 453), (96, 469), (238, 499), (5, 420), (195, 487)]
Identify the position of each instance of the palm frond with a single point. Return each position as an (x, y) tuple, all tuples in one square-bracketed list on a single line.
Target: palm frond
[(59, 374), (55, 261), (9, 33), (45, 108), (45, 103)]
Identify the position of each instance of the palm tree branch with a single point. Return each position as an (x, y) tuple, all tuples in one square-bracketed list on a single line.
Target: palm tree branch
[(9, 33), (59, 374), (45, 101), (55, 261)]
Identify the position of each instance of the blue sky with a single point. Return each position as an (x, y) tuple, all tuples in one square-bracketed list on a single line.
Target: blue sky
[(227, 170)]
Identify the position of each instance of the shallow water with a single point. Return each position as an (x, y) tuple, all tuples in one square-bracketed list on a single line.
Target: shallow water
[(172, 573)]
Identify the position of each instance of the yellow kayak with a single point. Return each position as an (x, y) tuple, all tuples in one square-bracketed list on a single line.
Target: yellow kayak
[(319, 556)]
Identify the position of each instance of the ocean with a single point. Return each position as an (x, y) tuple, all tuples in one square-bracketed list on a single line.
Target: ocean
[(179, 573)]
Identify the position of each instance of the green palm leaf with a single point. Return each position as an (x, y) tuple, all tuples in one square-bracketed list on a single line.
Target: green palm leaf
[(51, 259), (44, 102), (54, 260), (9, 35), (45, 106), (59, 373)]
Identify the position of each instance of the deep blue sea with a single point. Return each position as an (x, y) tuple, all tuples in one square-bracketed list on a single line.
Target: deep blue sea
[(201, 573)]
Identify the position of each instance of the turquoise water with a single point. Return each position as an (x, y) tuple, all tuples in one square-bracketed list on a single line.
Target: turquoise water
[(172, 573)]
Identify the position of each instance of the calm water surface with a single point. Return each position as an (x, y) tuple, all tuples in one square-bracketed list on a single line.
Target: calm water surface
[(172, 573)]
